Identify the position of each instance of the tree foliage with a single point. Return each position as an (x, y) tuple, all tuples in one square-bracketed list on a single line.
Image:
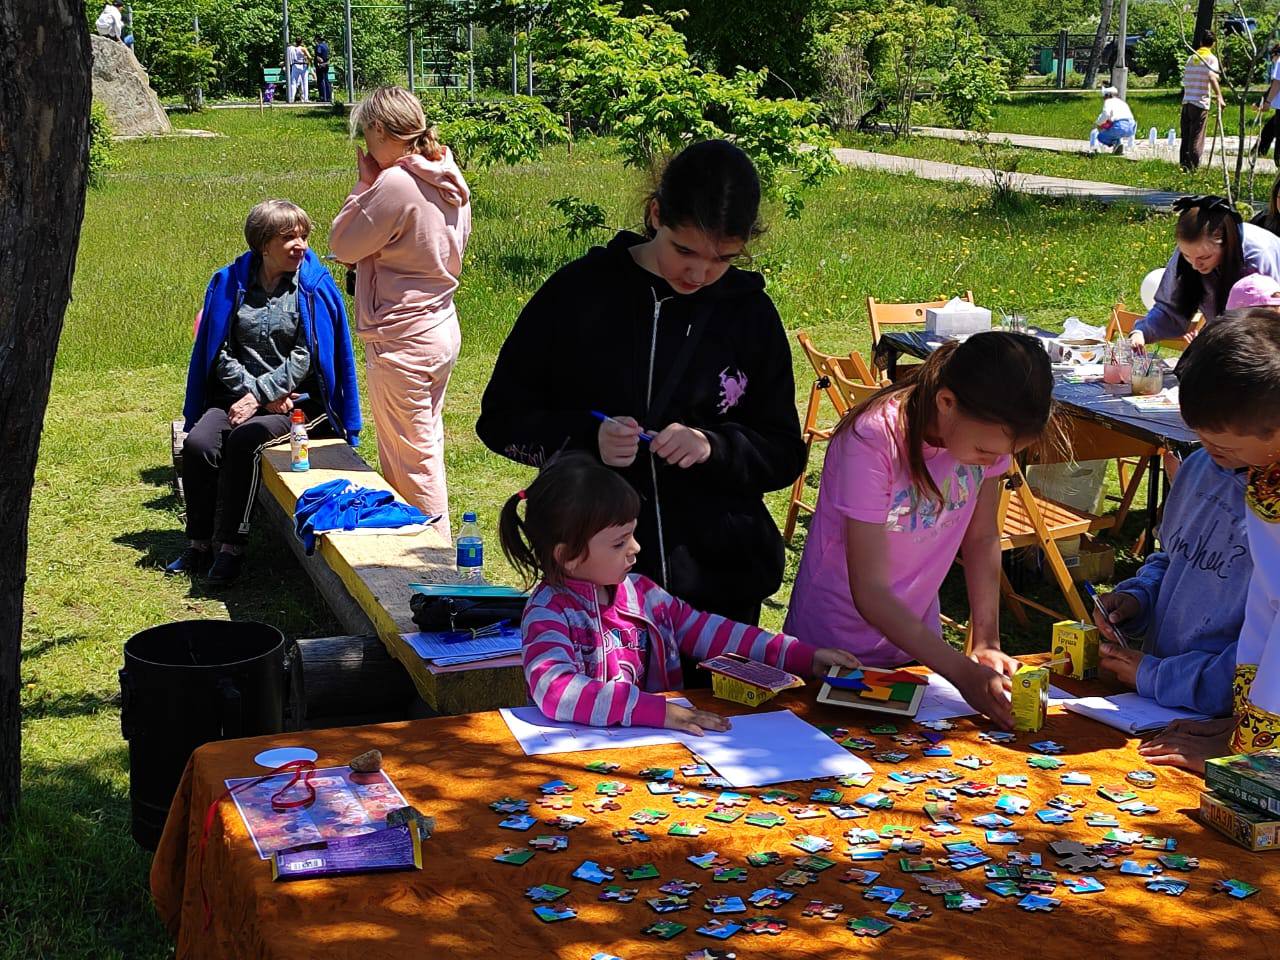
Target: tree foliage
[(484, 132), (101, 158), (973, 83)]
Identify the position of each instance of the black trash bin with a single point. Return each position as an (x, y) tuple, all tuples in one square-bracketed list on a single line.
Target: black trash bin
[(191, 682)]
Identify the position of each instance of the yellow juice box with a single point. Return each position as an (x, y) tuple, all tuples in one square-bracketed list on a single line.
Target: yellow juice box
[(1075, 645), (1030, 697)]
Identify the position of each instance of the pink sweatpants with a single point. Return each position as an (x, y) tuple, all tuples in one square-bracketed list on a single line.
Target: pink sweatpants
[(407, 382)]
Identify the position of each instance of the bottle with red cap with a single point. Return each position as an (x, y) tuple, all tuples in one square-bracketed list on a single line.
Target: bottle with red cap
[(299, 457)]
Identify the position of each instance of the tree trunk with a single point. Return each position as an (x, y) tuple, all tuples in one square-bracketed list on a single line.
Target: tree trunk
[(44, 151), (1099, 41)]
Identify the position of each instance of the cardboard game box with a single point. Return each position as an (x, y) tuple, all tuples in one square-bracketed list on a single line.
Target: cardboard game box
[(1252, 779), (1248, 827), (741, 680), (869, 688)]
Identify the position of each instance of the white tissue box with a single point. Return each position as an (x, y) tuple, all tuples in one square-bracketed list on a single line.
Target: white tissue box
[(957, 318)]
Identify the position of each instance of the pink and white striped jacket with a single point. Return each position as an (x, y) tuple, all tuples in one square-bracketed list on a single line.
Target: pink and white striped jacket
[(563, 628)]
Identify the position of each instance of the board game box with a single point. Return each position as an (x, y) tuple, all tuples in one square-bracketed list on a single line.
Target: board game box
[(896, 692), (1250, 828), (1249, 778)]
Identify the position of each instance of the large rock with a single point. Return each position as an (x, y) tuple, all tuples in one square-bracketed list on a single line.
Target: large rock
[(124, 88)]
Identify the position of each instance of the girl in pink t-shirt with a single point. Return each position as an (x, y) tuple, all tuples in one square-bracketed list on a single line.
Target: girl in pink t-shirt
[(910, 480), (602, 643)]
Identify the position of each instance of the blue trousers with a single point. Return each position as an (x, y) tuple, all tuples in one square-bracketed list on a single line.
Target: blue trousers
[(1117, 132)]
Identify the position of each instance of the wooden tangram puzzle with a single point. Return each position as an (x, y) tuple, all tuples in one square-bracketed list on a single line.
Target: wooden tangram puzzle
[(886, 691)]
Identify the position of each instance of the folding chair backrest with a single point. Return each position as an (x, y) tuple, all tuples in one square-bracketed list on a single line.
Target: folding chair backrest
[(852, 391), (1123, 322), (851, 368), (881, 315)]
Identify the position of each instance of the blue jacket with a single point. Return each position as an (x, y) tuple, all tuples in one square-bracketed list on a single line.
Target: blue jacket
[(1192, 591), (323, 317), (344, 505)]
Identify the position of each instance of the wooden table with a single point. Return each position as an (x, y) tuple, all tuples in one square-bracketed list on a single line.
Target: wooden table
[(366, 578), (1138, 431), (465, 905)]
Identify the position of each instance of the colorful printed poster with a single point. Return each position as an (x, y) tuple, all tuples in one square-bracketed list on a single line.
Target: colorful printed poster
[(347, 804)]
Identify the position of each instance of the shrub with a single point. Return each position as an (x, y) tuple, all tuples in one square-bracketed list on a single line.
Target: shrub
[(972, 85), (101, 155)]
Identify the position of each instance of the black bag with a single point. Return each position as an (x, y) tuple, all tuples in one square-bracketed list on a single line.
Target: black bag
[(441, 614)]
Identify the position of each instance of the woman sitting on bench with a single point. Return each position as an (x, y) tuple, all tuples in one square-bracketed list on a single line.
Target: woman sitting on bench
[(273, 337)]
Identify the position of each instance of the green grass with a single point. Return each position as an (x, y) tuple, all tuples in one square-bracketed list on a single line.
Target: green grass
[(72, 884), (1072, 115)]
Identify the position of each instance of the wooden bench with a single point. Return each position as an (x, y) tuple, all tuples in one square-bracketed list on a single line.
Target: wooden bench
[(365, 579)]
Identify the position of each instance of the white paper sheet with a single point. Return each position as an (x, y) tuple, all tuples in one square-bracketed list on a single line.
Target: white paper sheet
[(538, 735), (942, 701), (773, 747), (1129, 712)]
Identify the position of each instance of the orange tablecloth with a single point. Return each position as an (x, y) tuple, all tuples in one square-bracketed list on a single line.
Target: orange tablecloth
[(465, 905)]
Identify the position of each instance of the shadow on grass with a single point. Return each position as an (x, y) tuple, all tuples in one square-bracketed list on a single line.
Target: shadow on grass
[(75, 884)]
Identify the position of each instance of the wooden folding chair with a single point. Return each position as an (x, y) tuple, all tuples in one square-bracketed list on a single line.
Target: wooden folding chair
[(835, 377), (1123, 321), (1030, 520), (881, 315)]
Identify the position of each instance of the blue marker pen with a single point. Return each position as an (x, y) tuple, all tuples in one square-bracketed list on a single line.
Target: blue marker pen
[(1097, 602), (605, 418)]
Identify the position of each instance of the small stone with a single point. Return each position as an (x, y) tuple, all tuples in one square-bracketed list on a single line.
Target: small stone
[(426, 825), (368, 762)]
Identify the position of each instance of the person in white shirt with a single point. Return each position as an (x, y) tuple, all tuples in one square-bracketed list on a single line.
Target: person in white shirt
[(110, 22), (297, 62), (1115, 123), (1200, 87)]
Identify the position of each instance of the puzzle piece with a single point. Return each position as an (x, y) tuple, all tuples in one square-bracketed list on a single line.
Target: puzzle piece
[(1122, 836), (1045, 763), (657, 773), (509, 805), (518, 821), (690, 770), (972, 762), (644, 871), (1159, 843), (1033, 902), (890, 756), (714, 783), (882, 729), (719, 905), (896, 788), (763, 925), (863, 878), (767, 819), (939, 725), (869, 927), (1081, 862), (721, 930), (1076, 779), (729, 798), (797, 878), (1138, 869), (907, 776), (860, 835), (942, 812), (1167, 885), (1003, 837), (555, 801), (1004, 888), (1054, 817), (632, 835), (778, 797), (858, 743), (1065, 801), (807, 812), (1047, 746), (875, 801), (764, 859), (602, 766), (841, 812), (895, 830), (682, 828), (545, 893), (1099, 818), (1109, 848), (823, 911), (827, 795), (550, 843), (709, 860), (1136, 808), (992, 821), (1081, 885), (691, 798), (997, 736), (649, 816), (938, 887), (907, 910), (854, 779), (814, 863), (915, 865), (943, 775), (899, 845), (964, 901), (1235, 888), (859, 854), (941, 793), (770, 898), (1016, 859), (1116, 794), (974, 788), (966, 861), (617, 894), (680, 888), (602, 804), (557, 786), (664, 929), (565, 821), (1013, 805), (729, 875), (552, 914), (812, 844), (1012, 781), (661, 788), (592, 872), (940, 829), (514, 856), (612, 788), (883, 894), (909, 739), (725, 814), (1178, 861)]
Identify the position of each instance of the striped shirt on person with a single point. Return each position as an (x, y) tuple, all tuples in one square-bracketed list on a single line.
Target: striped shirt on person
[(1197, 76)]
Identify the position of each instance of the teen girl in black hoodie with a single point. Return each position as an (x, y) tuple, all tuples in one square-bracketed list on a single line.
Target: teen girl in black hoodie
[(663, 334)]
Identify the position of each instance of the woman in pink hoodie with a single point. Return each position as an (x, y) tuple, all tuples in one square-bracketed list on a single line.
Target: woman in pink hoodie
[(405, 227)]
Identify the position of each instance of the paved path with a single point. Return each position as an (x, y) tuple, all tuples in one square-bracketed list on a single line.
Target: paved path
[(1141, 150), (1020, 182)]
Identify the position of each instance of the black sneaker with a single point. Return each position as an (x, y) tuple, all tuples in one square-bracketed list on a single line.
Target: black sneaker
[(193, 561), (225, 569)]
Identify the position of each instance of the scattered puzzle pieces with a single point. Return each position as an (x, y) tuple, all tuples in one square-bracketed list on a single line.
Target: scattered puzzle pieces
[(557, 786), (964, 901), (682, 828), (680, 888), (709, 860), (618, 894), (632, 835), (509, 805), (907, 910), (551, 914), (592, 872), (763, 925), (770, 898), (1166, 885), (883, 893), (1032, 903), (550, 843), (823, 911), (664, 929), (545, 893), (645, 871), (649, 816), (1080, 885), (1234, 888), (602, 804), (514, 856), (720, 905), (869, 927)]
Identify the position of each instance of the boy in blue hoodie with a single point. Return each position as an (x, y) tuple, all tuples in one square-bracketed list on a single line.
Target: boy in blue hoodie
[(1186, 602)]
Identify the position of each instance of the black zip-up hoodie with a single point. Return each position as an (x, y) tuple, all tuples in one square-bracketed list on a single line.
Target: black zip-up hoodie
[(603, 334)]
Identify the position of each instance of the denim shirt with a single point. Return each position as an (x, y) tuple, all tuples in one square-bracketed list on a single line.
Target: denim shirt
[(266, 352)]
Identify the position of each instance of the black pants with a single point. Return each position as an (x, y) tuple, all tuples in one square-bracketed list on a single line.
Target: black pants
[(1194, 121), (220, 470), (1270, 133), (322, 81)]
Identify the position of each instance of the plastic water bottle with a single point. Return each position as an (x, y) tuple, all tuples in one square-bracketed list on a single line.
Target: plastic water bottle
[(470, 550), (299, 457), (1152, 136), (1171, 139)]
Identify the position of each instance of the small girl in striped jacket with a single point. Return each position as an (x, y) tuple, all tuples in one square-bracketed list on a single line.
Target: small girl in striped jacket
[(600, 643)]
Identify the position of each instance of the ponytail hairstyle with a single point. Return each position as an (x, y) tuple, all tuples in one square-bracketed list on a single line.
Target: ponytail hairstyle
[(711, 185), (997, 377), (572, 499), (400, 114), (1215, 218)]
